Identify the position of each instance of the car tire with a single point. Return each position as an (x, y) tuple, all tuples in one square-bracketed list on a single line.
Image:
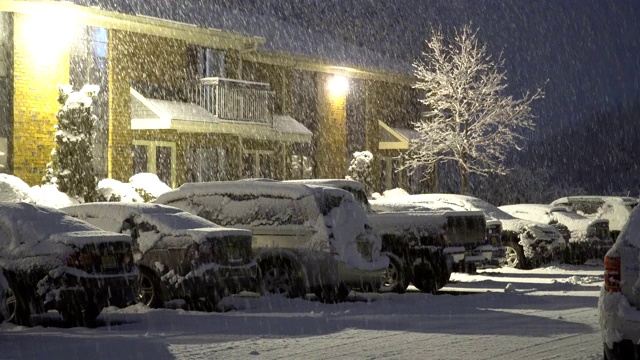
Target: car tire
[(279, 276), (149, 290), (514, 256), (80, 316), (18, 306), (332, 294), (395, 277)]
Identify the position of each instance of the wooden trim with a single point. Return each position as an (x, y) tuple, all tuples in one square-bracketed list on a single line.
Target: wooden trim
[(401, 144)]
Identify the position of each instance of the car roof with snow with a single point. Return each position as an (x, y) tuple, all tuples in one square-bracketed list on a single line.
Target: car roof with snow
[(624, 199), (456, 202), (533, 209), (168, 219), (338, 183), (249, 189)]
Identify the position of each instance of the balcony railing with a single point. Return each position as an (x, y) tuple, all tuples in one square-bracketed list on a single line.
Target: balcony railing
[(235, 100)]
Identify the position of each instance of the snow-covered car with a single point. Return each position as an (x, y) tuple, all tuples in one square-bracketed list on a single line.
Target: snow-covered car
[(586, 238), (180, 255), (413, 242), (466, 236), (306, 239), (54, 261), (616, 209), (619, 303), (526, 243)]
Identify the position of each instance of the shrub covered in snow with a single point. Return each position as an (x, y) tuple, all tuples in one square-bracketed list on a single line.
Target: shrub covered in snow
[(72, 167), (13, 189), (360, 169), (49, 195), (148, 186), (112, 190)]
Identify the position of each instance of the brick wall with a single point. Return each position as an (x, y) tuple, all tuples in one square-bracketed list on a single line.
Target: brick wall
[(331, 138), (36, 79), (139, 58)]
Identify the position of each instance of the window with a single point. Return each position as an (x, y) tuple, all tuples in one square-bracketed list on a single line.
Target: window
[(389, 172), (257, 164), (210, 62), (208, 164), (156, 157), (301, 167), (89, 65)]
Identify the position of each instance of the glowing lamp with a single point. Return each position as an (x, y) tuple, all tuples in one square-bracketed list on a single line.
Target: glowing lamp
[(338, 85)]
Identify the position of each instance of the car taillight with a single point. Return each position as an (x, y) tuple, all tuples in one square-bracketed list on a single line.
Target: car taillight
[(612, 272)]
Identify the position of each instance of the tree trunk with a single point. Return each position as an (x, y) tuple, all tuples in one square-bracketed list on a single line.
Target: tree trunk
[(433, 178), (464, 180)]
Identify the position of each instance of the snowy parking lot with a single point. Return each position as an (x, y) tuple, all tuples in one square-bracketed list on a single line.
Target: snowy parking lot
[(544, 313)]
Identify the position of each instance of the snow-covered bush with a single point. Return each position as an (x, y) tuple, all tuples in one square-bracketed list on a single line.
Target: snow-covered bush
[(13, 189), (71, 169), (116, 191), (49, 195), (360, 169), (148, 186)]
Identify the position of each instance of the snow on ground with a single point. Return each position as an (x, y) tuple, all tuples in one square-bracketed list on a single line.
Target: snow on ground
[(497, 314)]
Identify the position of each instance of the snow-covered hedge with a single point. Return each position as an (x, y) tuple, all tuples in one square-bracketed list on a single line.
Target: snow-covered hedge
[(148, 186)]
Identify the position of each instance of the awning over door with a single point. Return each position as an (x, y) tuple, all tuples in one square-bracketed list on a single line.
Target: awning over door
[(393, 138), (153, 114)]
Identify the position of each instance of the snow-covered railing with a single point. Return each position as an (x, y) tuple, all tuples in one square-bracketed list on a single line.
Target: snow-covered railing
[(235, 100)]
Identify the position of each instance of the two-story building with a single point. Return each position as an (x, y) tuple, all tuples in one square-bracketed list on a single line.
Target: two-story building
[(193, 103)]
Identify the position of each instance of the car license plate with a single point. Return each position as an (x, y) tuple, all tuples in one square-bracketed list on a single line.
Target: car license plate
[(109, 261)]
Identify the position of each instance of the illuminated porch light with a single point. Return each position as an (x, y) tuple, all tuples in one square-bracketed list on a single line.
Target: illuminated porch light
[(48, 34), (338, 85)]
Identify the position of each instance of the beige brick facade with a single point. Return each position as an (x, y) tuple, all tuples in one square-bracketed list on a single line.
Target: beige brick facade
[(36, 78)]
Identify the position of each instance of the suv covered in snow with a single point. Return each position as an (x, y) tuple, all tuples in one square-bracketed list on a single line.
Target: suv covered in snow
[(619, 304), (306, 239), (54, 261), (616, 209), (180, 256)]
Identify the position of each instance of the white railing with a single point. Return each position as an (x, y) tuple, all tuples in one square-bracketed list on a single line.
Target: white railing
[(235, 100)]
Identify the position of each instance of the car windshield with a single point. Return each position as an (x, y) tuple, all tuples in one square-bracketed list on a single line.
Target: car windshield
[(566, 213)]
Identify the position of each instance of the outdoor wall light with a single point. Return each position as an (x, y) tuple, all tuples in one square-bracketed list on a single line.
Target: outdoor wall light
[(338, 85), (49, 34)]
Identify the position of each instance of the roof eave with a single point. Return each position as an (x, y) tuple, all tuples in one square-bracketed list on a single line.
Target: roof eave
[(136, 23)]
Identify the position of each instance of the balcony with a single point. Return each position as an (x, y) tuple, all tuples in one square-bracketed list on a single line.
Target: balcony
[(214, 105), (235, 100)]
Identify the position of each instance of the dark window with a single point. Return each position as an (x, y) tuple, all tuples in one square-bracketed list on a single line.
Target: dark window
[(248, 165), (266, 165), (209, 164), (140, 159), (163, 164)]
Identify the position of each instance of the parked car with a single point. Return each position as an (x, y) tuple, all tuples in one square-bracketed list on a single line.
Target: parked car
[(180, 255), (306, 239), (619, 298), (414, 243), (527, 243), (616, 209), (587, 238), (54, 261), (467, 238)]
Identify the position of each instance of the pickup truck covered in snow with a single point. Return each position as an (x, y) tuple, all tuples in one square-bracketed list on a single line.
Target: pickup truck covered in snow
[(458, 237)]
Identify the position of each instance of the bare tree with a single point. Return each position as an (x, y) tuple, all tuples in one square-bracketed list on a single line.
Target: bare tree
[(470, 120)]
